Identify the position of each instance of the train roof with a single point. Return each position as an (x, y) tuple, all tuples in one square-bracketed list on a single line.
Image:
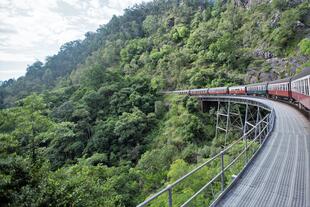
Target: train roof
[(304, 72), (217, 88), (281, 80), (257, 84), (237, 86), (199, 89)]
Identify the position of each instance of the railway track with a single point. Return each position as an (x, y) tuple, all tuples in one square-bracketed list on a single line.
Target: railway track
[(280, 174)]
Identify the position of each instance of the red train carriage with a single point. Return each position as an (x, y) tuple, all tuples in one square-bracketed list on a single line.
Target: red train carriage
[(301, 88), (280, 88), (218, 91), (237, 90), (199, 92)]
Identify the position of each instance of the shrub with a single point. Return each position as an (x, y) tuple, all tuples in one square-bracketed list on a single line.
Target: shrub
[(304, 46)]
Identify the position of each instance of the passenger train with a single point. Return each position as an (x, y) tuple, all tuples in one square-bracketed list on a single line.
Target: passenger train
[(294, 89)]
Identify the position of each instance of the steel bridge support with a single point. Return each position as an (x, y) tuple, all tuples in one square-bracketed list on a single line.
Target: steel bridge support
[(238, 118), (228, 119)]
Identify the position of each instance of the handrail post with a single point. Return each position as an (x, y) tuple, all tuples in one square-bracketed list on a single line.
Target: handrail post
[(260, 136), (245, 131), (257, 121), (222, 171), (217, 118), (169, 196), (246, 151), (268, 122)]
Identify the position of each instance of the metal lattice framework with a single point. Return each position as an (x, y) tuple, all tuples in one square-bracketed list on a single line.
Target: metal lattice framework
[(228, 118), (256, 123)]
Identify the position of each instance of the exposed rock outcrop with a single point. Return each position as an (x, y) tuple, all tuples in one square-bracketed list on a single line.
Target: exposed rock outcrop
[(249, 3), (262, 54), (274, 68)]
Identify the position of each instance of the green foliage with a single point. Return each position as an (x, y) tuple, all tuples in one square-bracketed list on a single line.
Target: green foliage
[(304, 46), (223, 50), (179, 33), (153, 171), (150, 24), (133, 48), (279, 4), (282, 34), (160, 108), (90, 126)]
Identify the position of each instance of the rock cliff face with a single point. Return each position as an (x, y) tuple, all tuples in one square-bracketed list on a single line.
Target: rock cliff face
[(274, 68), (249, 3)]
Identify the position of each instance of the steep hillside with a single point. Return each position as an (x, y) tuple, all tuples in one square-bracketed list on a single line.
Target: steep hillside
[(90, 128), (254, 39)]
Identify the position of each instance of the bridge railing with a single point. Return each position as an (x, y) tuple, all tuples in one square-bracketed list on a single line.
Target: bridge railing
[(262, 130)]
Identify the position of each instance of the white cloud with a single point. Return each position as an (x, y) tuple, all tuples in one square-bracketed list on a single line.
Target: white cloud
[(34, 29)]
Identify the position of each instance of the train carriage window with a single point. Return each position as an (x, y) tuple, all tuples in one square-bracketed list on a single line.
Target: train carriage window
[(303, 86), (296, 86), (307, 86)]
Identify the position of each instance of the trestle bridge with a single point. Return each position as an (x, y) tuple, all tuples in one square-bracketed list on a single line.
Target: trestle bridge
[(273, 163)]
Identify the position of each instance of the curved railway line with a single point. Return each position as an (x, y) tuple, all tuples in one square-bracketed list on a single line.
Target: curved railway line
[(280, 173)]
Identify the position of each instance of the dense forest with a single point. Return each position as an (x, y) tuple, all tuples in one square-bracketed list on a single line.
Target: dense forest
[(91, 127)]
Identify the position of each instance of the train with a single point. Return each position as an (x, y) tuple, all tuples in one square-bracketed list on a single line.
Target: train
[(295, 89)]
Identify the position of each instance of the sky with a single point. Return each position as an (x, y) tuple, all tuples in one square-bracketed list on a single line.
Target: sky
[(30, 30)]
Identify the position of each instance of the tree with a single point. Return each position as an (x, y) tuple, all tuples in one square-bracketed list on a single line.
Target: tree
[(64, 145), (282, 34), (150, 24), (223, 50), (130, 129)]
